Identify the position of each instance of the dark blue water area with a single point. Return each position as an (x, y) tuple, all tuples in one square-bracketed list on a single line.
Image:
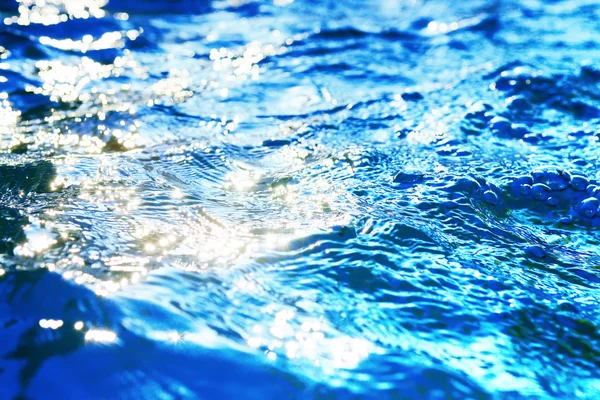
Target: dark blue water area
[(379, 199)]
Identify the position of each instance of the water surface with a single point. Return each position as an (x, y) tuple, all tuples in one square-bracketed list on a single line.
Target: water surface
[(299, 199)]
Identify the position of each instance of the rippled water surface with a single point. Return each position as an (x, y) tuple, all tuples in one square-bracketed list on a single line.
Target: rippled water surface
[(299, 199)]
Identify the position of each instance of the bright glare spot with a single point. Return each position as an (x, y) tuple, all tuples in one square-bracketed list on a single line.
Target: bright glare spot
[(291, 349), (177, 194), (175, 86), (51, 323), (175, 336), (311, 340), (150, 247), (241, 180), (37, 243), (254, 342), (348, 354), (101, 336), (78, 325)]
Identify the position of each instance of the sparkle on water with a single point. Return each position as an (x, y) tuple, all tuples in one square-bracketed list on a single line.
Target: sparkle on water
[(264, 199)]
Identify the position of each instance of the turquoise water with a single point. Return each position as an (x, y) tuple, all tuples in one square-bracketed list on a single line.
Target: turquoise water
[(299, 199)]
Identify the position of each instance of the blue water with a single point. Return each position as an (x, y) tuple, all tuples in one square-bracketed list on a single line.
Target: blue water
[(299, 199)]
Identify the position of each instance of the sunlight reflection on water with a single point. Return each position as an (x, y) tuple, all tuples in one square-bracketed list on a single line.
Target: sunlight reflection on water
[(380, 199)]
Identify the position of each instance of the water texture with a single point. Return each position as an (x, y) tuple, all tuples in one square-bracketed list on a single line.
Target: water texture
[(301, 199)]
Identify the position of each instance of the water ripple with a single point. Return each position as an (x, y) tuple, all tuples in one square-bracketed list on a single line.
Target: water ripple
[(259, 199)]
